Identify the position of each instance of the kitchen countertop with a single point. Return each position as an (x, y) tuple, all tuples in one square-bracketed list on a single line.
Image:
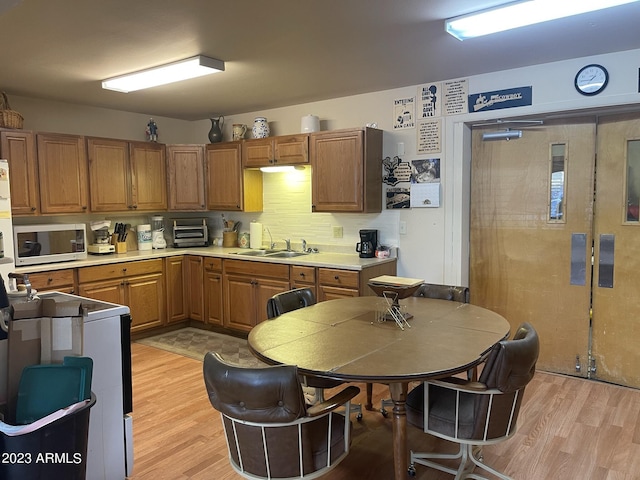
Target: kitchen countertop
[(346, 261)]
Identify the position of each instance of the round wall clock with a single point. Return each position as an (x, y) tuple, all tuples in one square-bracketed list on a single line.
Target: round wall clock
[(591, 79)]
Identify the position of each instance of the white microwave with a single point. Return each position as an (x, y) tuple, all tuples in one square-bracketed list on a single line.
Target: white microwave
[(36, 244)]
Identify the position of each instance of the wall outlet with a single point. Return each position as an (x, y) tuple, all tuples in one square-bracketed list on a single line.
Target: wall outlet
[(337, 232), (403, 227)]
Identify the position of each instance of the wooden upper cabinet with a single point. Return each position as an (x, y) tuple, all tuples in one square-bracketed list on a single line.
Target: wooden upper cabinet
[(292, 149), (271, 151), (108, 174), (19, 148), (185, 164), (62, 170), (347, 170), (229, 187), (148, 176)]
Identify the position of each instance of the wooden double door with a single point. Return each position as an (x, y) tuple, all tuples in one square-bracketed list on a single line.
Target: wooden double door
[(555, 240)]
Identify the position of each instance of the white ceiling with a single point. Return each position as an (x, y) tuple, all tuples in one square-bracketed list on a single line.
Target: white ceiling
[(277, 52)]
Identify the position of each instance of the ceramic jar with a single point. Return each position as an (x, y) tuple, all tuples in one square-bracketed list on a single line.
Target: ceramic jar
[(260, 128)]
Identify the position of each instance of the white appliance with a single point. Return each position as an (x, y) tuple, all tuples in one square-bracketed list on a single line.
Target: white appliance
[(6, 264), (107, 340)]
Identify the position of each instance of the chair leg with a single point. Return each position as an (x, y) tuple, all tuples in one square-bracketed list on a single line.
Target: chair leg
[(468, 462)]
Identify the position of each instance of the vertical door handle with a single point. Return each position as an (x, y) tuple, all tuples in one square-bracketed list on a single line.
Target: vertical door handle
[(606, 260), (578, 259)]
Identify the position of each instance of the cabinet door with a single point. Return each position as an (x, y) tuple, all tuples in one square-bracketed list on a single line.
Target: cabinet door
[(347, 171), (195, 277), (62, 170), (58, 280), (292, 149), (259, 152), (145, 295), (239, 302), (148, 176), (326, 292), (177, 306), (213, 298), (19, 148), (110, 291), (265, 289), (224, 177), (186, 177), (109, 175)]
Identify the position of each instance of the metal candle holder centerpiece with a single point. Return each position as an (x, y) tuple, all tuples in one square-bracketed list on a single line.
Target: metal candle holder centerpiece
[(393, 289)]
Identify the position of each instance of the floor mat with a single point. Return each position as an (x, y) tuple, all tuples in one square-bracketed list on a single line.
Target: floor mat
[(195, 343)]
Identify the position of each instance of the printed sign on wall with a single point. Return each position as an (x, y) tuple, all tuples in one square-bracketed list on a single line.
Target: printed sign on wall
[(509, 98)]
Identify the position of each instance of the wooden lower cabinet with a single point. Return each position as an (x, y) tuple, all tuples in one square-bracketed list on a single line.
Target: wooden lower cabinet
[(195, 295), (58, 280), (213, 300), (338, 283), (139, 285), (247, 287), (304, 277), (175, 269)]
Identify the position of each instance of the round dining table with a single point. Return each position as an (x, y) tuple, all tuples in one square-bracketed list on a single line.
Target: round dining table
[(350, 340)]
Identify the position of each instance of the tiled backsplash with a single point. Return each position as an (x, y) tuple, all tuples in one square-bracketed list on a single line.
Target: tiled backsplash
[(287, 214)]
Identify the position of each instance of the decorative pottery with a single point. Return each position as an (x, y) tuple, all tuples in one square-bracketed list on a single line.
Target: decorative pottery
[(260, 128), (309, 124), (239, 129), (215, 134)]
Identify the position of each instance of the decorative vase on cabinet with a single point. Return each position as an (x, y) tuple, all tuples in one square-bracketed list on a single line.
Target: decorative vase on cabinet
[(260, 128), (215, 134)]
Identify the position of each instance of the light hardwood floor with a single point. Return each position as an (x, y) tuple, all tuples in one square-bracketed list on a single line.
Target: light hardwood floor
[(569, 428)]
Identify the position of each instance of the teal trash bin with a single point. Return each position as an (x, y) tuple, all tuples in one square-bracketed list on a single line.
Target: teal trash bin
[(57, 450)]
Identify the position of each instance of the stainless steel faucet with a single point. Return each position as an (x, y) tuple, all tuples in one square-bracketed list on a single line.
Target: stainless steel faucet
[(272, 244), (304, 245), (24, 279), (288, 242)]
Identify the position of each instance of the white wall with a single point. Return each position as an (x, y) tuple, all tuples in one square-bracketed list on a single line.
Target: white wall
[(436, 244)]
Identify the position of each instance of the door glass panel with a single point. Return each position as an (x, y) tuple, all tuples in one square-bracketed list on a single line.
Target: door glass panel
[(633, 179), (557, 183)]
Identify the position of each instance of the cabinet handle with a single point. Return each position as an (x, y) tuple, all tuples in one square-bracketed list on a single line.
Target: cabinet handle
[(302, 275), (336, 277), (84, 207), (33, 209), (49, 280)]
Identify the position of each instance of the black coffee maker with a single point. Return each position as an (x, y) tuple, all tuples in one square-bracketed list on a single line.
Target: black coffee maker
[(368, 243)]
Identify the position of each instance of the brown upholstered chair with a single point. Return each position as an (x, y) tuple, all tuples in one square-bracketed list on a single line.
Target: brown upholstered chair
[(270, 431), (440, 292), (292, 300), (474, 414)]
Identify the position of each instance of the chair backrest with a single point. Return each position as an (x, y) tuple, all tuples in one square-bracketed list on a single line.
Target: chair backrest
[(268, 432), (290, 300), (510, 366), (266, 395), (443, 292)]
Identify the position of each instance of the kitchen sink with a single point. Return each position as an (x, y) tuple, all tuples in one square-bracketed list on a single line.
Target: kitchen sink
[(257, 253), (270, 253), (285, 254)]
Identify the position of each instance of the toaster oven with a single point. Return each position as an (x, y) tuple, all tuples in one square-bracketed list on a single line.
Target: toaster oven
[(190, 234)]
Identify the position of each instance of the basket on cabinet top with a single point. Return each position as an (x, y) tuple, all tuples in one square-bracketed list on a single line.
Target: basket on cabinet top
[(9, 118)]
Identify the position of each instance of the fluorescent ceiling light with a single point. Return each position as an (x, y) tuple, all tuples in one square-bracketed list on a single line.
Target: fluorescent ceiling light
[(172, 72), (520, 14)]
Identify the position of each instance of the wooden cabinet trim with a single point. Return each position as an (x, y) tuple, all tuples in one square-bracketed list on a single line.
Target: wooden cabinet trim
[(338, 278), (257, 269), (119, 270)]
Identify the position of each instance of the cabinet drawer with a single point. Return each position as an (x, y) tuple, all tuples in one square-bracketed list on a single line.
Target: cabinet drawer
[(51, 280), (212, 264), (257, 269), (303, 274), (119, 270), (338, 278)]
